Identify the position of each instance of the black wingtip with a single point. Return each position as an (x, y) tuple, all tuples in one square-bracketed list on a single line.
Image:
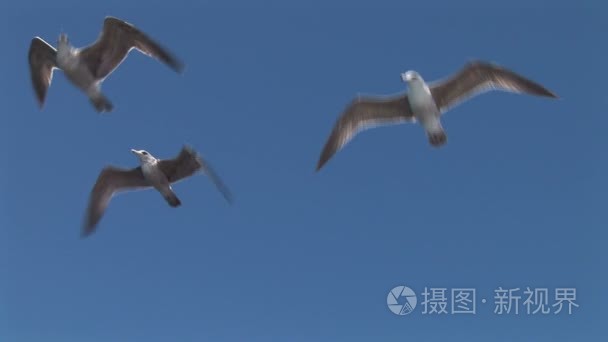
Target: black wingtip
[(319, 166), (542, 91), (179, 68), (89, 226), (324, 158), (172, 62), (226, 193), (86, 232), (229, 198)]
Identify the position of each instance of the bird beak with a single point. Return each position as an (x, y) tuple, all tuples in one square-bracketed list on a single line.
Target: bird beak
[(135, 151), (404, 77)]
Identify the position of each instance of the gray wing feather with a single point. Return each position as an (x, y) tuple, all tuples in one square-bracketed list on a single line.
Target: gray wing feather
[(42, 61), (364, 113), (186, 164), (478, 77), (116, 40), (110, 181)]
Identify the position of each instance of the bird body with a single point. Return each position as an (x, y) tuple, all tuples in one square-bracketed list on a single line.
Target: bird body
[(424, 108), (156, 178), (77, 72)]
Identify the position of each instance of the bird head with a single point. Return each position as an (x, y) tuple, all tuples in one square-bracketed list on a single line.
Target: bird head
[(410, 76), (143, 155)]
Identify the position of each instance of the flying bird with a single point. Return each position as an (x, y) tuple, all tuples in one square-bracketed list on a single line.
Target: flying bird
[(88, 67), (152, 173), (425, 103)]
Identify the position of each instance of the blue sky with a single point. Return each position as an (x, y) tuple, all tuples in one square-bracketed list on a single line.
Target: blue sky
[(516, 198)]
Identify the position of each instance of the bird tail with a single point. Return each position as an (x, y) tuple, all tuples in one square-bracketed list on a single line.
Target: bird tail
[(172, 199), (101, 103), (437, 138)]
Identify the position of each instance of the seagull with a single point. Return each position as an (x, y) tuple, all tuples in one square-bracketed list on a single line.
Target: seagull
[(88, 67), (425, 103), (152, 173)]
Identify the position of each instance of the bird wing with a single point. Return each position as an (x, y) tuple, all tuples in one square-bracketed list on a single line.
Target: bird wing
[(41, 58), (364, 113), (116, 40), (187, 163), (478, 77), (110, 181)]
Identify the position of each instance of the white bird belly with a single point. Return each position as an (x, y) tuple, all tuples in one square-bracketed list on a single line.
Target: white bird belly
[(154, 175), (78, 73), (67, 60), (149, 170), (424, 107)]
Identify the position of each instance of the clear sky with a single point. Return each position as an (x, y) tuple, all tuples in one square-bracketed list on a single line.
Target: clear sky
[(516, 199)]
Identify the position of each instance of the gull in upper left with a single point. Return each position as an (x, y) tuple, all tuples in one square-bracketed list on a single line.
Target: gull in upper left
[(88, 67)]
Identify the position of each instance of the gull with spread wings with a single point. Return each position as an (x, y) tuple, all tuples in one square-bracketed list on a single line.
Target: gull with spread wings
[(88, 67), (159, 174), (425, 103)]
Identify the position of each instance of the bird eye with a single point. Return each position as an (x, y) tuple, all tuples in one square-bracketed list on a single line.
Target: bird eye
[(144, 153)]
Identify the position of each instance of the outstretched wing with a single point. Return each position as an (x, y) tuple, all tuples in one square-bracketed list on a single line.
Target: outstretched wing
[(116, 40), (187, 163), (477, 77), (364, 113), (42, 60), (110, 181)]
